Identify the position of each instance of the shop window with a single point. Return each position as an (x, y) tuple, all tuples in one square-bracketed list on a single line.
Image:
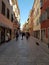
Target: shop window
[(3, 8), (7, 13), (43, 34)]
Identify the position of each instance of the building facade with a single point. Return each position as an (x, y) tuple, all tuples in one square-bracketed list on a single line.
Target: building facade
[(38, 22), (36, 19), (16, 11), (41, 20), (30, 22), (25, 27), (7, 20), (28, 26), (44, 20)]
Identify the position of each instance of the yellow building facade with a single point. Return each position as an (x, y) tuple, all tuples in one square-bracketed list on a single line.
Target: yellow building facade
[(36, 18)]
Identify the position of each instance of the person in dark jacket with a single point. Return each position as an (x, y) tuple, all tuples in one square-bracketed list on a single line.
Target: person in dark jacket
[(23, 34), (27, 35), (17, 35)]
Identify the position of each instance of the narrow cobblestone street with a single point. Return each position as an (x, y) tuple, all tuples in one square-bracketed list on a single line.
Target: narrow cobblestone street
[(23, 52), (24, 32)]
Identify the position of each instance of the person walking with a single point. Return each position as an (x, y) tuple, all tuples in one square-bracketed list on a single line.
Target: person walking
[(6, 38), (9, 38), (27, 35), (17, 35), (23, 34)]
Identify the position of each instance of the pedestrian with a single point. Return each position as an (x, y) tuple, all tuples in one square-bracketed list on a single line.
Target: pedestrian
[(27, 35), (17, 35), (48, 45), (23, 35), (8, 34), (6, 38)]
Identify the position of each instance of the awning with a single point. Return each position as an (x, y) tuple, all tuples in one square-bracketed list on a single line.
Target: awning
[(3, 25), (4, 22)]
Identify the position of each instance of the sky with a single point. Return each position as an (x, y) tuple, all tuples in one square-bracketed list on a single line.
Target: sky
[(25, 6)]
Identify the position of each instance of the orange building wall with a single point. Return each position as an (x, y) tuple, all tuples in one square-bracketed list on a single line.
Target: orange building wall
[(45, 24), (45, 5)]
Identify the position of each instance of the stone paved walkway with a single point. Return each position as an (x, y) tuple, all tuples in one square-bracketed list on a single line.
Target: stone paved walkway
[(23, 52)]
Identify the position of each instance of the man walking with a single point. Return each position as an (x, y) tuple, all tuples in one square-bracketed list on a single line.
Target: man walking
[(17, 35), (23, 34)]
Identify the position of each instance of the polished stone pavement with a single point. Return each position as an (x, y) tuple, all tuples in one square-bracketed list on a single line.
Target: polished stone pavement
[(23, 52)]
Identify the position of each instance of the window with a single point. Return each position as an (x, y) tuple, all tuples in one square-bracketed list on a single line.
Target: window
[(43, 16), (7, 13), (8, 0), (40, 18), (37, 12), (3, 8), (37, 23), (11, 17), (41, 4), (47, 10)]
